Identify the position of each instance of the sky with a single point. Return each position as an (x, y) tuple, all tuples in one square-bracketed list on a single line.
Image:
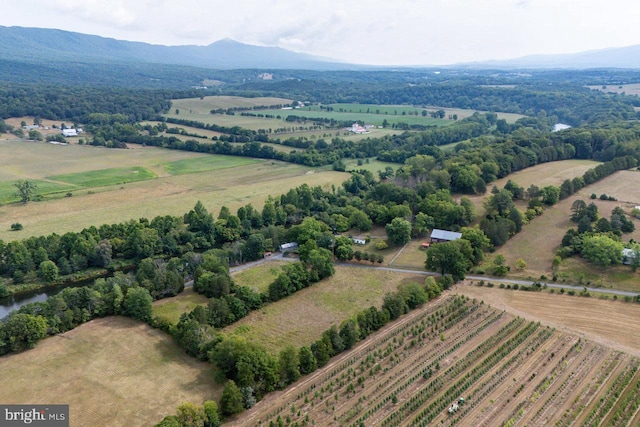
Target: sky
[(391, 32)]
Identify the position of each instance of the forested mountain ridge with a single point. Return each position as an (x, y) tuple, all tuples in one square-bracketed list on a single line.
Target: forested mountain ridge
[(40, 44)]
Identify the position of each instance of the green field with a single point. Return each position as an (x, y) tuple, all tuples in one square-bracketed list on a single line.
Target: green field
[(8, 189), (208, 163), (361, 115), (105, 177), (170, 309), (214, 180), (259, 277)]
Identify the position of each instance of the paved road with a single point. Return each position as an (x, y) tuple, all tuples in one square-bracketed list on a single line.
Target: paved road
[(279, 256)]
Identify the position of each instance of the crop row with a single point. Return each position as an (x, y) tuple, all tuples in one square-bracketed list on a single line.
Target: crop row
[(597, 414), (573, 380), (432, 362), (427, 392), (423, 358), (628, 406), (498, 377), (587, 393), (457, 307), (429, 413), (447, 306)]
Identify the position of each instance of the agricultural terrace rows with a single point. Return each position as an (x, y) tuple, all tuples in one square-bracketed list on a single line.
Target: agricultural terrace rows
[(498, 369)]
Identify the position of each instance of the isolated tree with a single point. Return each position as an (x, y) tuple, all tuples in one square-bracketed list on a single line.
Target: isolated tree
[(26, 190), (520, 264)]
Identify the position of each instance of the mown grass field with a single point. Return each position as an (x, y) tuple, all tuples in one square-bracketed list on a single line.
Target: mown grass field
[(302, 317), (112, 372), (105, 177), (170, 309), (259, 277), (182, 178)]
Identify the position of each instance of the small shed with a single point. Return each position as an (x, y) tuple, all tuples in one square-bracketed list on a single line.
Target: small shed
[(425, 245), (69, 132), (359, 241), (288, 246), (438, 236)]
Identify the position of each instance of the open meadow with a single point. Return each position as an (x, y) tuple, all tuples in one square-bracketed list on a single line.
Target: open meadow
[(112, 372), (551, 173), (628, 89), (538, 240), (302, 317), (459, 361), (103, 189)]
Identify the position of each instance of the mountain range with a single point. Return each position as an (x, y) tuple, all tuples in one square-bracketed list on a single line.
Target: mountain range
[(40, 45)]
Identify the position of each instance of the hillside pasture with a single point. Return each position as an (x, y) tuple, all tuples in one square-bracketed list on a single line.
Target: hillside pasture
[(215, 180), (538, 240), (112, 372), (302, 317), (498, 369), (541, 175)]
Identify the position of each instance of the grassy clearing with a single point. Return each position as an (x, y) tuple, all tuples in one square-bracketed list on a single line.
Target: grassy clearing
[(372, 165), (234, 186), (102, 367), (552, 173), (207, 163), (208, 103), (105, 177), (361, 114), (302, 317), (170, 309), (413, 256), (629, 89), (259, 277)]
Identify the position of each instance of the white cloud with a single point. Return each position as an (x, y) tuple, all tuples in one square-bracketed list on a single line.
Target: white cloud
[(366, 31)]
